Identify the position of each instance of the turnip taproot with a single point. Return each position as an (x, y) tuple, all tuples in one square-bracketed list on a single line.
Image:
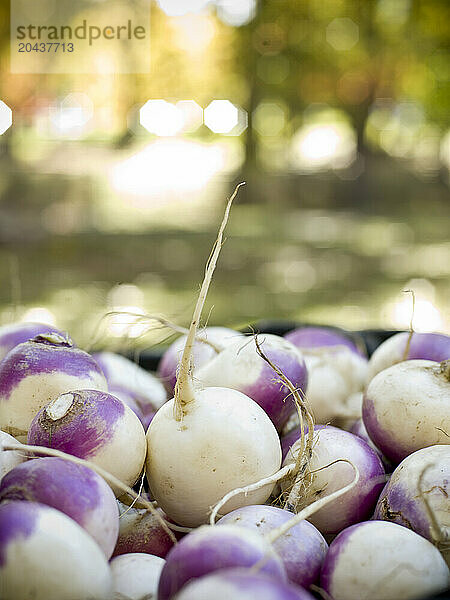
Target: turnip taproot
[(204, 443)]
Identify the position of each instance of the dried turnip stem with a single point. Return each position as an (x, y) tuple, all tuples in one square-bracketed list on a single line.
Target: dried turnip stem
[(315, 506), (299, 473), (112, 480), (281, 474), (184, 390)]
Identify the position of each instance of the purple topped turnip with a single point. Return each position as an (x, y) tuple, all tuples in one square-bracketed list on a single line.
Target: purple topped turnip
[(212, 548), (241, 584), (417, 495), (376, 560), (203, 444), (16, 333), (218, 338), (302, 549), (36, 372), (337, 371), (407, 407), (45, 555), (73, 489), (240, 367), (407, 346), (95, 426), (331, 444)]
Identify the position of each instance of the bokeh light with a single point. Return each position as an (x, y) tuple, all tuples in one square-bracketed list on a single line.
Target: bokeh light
[(161, 118), (323, 145), (221, 116)]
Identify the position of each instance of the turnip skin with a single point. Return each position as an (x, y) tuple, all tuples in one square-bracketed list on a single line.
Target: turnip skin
[(402, 501), (124, 374), (376, 560), (240, 584), (302, 549), (16, 333), (36, 372), (168, 365), (225, 441), (331, 444), (73, 489), (240, 367), (321, 337), (94, 426), (141, 532), (45, 555), (11, 458), (211, 548), (425, 346), (407, 407), (136, 576), (337, 371)]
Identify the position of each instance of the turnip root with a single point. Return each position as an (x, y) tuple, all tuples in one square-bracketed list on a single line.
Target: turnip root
[(407, 407), (241, 584), (36, 372), (212, 548), (16, 333), (96, 426), (331, 445), (377, 560), (10, 459), (141, 532), (408, 346), (45, 555), (205, 443), (337, 369), (240, 367), (417, 495), (217, 338), (73, 489), (136, 576), (302, 549)]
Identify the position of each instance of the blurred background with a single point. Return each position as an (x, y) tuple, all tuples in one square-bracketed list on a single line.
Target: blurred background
[(335, 113)]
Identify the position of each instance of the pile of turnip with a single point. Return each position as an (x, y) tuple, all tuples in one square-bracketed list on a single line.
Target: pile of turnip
[(248, 466)]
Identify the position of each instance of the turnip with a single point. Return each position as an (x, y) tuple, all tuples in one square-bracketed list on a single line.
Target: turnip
[(337, 370), (136, 576), (73, 489), (96, 426), (241, 584), (141, 531), (36, 372), (407, 407), (239, 366), (217, 338), (16, 333), (327, 473), (132, 384), (417, 495), (302, 549), (408, 346), (212, 548), (10, 459), (377, 560), (45, 555), (204, 443)]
